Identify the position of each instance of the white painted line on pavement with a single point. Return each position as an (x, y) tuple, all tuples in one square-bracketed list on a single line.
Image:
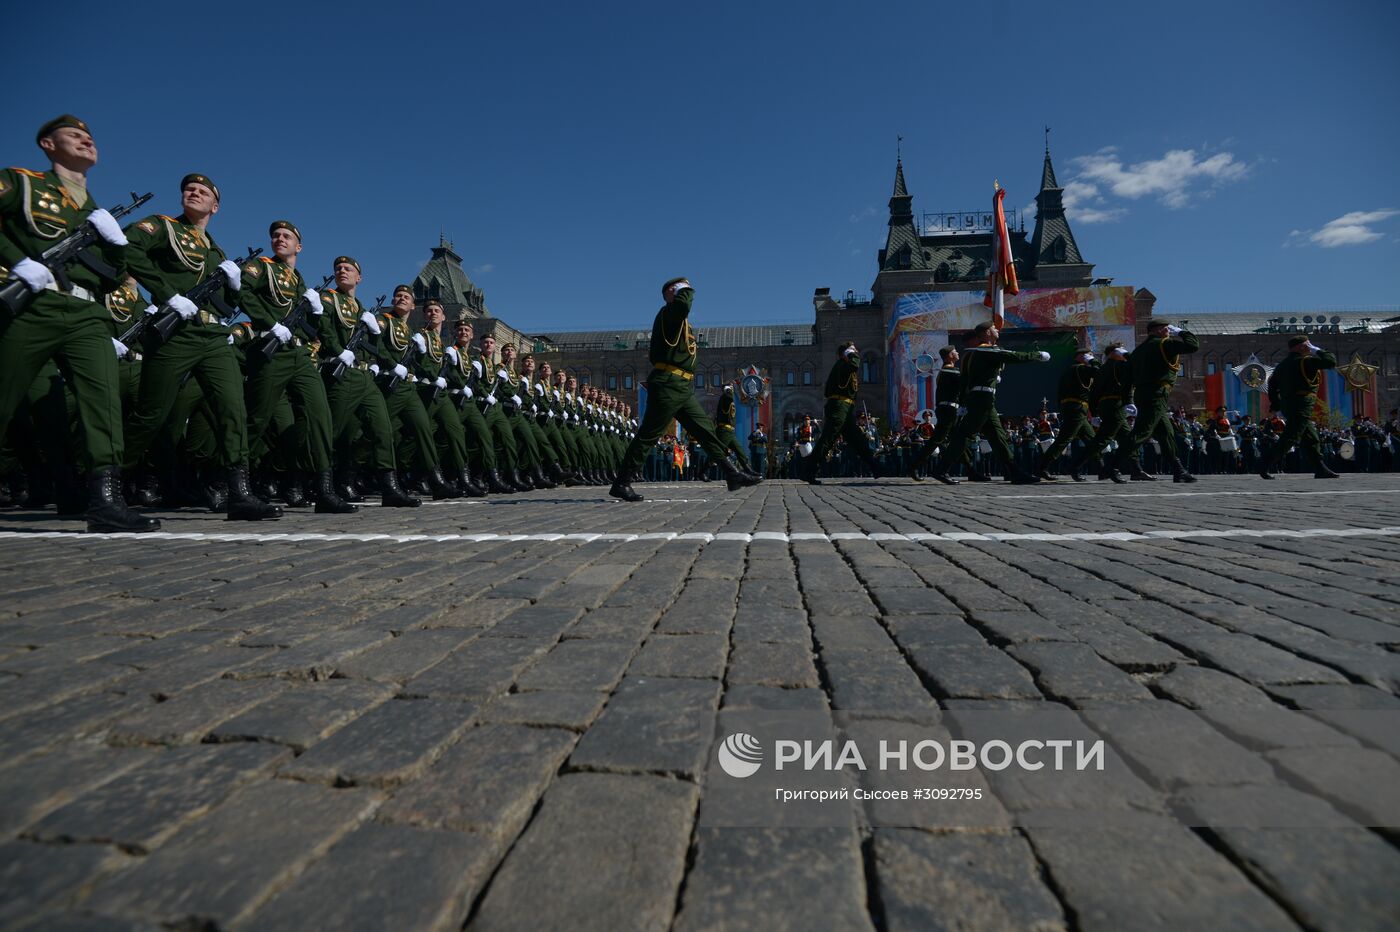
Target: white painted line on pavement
[(487, 538), (1097, 494)]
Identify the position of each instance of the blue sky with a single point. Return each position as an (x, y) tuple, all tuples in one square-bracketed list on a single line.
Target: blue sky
[(1224, 155)]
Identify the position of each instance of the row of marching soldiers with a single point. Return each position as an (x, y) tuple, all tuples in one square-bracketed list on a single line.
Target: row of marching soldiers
[(312, 397)]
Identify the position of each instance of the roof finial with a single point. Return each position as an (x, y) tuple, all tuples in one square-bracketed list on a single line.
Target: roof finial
[(899, 148), (442, 237), (1047, 141)]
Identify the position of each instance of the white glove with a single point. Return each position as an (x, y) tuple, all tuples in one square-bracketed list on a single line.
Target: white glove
[(1315, 349), (347, 357), (490, 399), (186, 309), (451, 352), (371, 323), (575, 417), (549, 414), (107, 227), (534, 408), (400, 371), (1173, 330), (314, 297), (374, 370), (282, 333), (1044, 356), (230, 339), (556, 394), (516, 399), (232, 273), (467, 390), (151, 309), (421, 342), (440, 382), (476, 364), (120, 347), (502, 374), (35, 275)]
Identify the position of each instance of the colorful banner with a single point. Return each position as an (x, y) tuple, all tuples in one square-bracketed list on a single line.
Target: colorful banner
[(922, 324), (749, 415)]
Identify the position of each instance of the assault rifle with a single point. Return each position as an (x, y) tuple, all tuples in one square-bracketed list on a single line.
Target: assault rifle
[(442, 374), (336, 370), (410, 353), (15, 296), (156, 328), (295, 320)]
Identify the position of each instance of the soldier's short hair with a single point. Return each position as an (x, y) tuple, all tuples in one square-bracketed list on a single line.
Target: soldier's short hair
[(1115, 346), (945, 352), (982, 329), (431, 302), (1153, 324), (1297, 341), (400, 288)]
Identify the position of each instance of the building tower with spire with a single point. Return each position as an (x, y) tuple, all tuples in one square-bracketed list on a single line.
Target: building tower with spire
[(1054, 253), (444, 278), (903, 251)]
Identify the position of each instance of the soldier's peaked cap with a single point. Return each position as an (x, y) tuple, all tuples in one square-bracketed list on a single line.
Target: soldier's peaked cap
[(59, 122), (347, 261), (197, 178), (284, 225), (1296, 341)]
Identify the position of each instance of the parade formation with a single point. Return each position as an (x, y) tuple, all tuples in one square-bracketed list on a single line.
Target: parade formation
[(239, 384)]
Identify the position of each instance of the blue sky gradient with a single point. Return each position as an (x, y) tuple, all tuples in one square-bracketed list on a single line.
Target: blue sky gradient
[(1224, 155)]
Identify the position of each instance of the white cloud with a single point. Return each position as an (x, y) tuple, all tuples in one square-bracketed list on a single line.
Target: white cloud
[(864, 214), (1084, 204), (482, 269), (1351, 229), (1174, 178)]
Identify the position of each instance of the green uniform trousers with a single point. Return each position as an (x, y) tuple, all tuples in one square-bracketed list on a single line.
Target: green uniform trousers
[(560, 443), (527, 450), (357, 405), (1074, 425), (416, 444), (945, 418), (502, 437), (981, 418), (726, 437), (74, 334), (1152, 421), (480, 448), (670, 397), (451, 438), (838, 420), (293, 374), (1111, 424), (1299, 428), (215, 372)]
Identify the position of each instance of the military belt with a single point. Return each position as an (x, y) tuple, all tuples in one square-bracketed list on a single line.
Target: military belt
[(1074, 401), (674, 370), (132, 356), (946, 404), (295, 341), (78, 291), (840, 398), (984, 388)]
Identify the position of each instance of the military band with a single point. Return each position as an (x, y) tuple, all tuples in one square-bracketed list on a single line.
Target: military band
[(238, 381)]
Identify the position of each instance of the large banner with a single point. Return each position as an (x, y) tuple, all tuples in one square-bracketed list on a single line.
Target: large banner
[(922, 323)]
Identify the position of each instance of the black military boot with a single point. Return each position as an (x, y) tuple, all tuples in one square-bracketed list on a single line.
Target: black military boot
[(470, 488), (495, 484), (557, 475), (522, 481), (293, 490), (243, 505), (1323, 471), (346, 486), (1076, 468), (978, 475), (145, 490), (1137, 474), (1179, 473), (538, 477), (327, 501), (214, 493), (441, 488), (622, 488), (106, 510), (1021, 477), (736, 477), (392, 495)]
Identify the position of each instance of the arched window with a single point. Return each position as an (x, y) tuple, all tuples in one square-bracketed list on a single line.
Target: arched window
[(789, 376), (627, 378), (806, 373), (583, 376), (717, 377), (612, 380), (870, 369)]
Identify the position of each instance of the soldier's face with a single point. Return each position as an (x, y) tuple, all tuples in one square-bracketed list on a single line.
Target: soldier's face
[(285, 243), (508, 355), (346, 275), (527, 366), (433, 316), (488, 345), (403, 303), (198, 201), (573, 386), (546, 374), (993, 335), (464, 334), (953, 357), (70, 147), (561, 379)]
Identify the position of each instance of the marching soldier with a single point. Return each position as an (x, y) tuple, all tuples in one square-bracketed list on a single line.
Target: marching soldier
[(355, 401), (168, 257), (1111, 393), (1156, 365), (466, 386), (981, 371), (516, 409), (539, 412), (551, 422), (1075, 389), (432, 368), (838, 420), (271, 288), (403, 402), (65, 322), (502, 436), (672, 394), (945, 410), (758, 450), (1293, 389), (726, 415)]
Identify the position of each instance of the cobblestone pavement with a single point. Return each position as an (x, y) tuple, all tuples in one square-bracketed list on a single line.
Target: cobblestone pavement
[(503, 713)]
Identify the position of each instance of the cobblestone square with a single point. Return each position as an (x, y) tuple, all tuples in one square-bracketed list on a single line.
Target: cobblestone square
[(503, 713)]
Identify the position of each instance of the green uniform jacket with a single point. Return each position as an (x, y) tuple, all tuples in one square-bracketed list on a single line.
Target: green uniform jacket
[(168, 257), (123, 305), (673, 343), (726, 412), (1077, 383), (1294, 384), (394, 337), (1114, 382), (843, 382), (269, 292), (947, 386), (340, 315), (982, 365), (430, 364), (35, 213), (1157, 362)]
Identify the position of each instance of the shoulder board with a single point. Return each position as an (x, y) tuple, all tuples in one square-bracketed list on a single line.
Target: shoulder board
[(268, 259), (165, 218), (147, 226), (31, 174)]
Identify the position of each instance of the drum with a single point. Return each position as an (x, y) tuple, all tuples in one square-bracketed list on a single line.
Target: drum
[(805, 448), (984, 447), (1046, 443), (1346, 450), (1230, 444)]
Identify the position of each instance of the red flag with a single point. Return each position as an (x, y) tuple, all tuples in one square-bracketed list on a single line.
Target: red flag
[(1003, 274)]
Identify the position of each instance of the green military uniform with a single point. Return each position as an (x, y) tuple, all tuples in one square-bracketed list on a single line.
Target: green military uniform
[(464, 382), (1156, 365), (451, 437), (1111, 392), (945, 413), (123, 305), (671, 387), (550, 420), (271, 290), (355, 401), (1076, 385), (403, 402), (168, 256), (838, 417), (981, 371), (1293, 390), (36, 211), (500, 435), (510, 388), (726, 415)]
